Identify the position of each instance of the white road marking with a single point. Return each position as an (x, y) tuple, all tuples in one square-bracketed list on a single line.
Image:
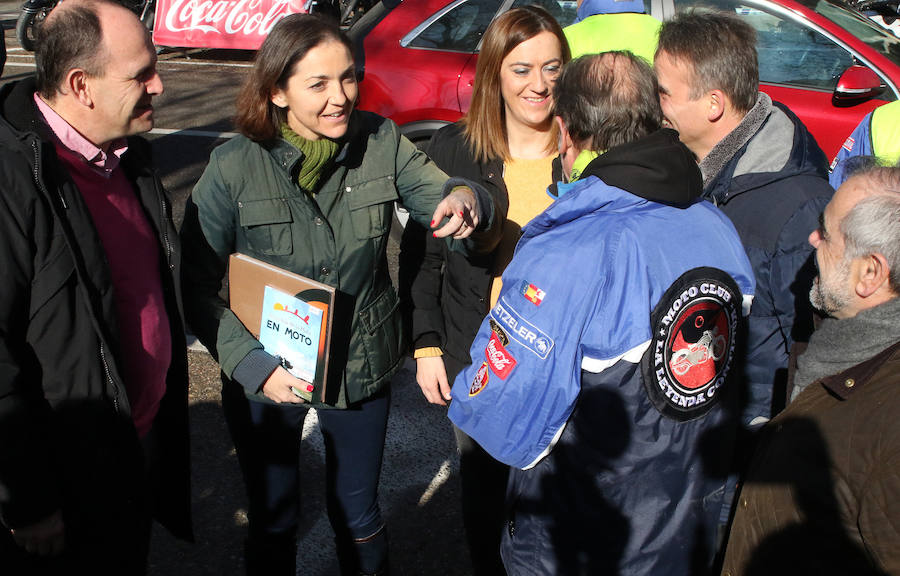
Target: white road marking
[(188, 132), (203, 63), (161, 64), (443, 474)]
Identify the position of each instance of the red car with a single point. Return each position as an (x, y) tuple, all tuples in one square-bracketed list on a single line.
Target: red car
[(830, 64)]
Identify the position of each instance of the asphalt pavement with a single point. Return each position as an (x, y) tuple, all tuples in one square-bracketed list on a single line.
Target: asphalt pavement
[(419, 481)]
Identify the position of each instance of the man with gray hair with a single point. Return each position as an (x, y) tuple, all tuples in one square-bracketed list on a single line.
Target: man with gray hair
[(822, 495), (600, 375)]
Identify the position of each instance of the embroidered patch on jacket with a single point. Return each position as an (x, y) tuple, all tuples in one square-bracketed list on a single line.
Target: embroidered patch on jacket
[(532, 293), (481, 379), (499, 359), (521, 330), (848, 144), (498, 330), (692, 348)]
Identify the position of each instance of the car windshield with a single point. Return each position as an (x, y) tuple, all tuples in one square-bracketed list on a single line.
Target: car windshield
[(858, 25)]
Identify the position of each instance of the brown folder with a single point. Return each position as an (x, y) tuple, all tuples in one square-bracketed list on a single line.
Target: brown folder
[(247, 281)]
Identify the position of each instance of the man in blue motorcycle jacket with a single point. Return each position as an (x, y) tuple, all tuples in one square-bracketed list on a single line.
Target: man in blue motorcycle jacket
[(601, 373)]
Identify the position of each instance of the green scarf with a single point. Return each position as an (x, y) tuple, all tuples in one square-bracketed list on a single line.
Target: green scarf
[(317, 155)]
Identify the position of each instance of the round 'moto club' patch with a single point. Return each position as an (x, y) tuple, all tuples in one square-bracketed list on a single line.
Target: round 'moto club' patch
[(692, 348)]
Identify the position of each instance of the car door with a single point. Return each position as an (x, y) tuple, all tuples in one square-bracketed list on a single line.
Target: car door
[(799, 65), (452, 36)]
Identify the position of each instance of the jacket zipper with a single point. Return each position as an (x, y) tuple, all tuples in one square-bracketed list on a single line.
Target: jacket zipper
[(109, 378), (40, 184), (36, 175)]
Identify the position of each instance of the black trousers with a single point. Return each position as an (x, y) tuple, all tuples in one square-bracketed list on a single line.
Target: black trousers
[(107, 513), (483, 485)]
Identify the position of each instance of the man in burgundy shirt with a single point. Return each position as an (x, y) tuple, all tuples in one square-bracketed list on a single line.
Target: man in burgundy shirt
[(93, 371)]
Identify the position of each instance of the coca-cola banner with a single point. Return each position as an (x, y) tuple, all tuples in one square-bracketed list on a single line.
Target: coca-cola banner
[(219, 23)]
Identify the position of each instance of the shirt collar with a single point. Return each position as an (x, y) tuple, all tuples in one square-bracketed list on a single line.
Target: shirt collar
[(102, 161)]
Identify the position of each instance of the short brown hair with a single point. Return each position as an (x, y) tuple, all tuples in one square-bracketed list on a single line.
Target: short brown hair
[(485, 127), (69, 38), (719, 49), (286, 45)]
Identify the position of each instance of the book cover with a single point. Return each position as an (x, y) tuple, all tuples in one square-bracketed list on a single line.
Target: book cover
[(256, 288), (291, 329)]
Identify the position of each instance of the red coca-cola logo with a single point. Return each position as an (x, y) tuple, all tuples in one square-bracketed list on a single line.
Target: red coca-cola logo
[(500, 361), (227, 17)]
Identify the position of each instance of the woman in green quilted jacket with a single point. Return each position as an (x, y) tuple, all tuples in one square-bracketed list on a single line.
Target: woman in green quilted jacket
[(309, 186)]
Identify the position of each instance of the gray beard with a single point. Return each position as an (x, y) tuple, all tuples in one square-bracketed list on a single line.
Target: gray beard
[(825, 300), (830, 297)]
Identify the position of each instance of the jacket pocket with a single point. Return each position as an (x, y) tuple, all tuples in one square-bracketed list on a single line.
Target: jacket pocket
[(56, 272), (381, 334), (371, 206), (267, 225)]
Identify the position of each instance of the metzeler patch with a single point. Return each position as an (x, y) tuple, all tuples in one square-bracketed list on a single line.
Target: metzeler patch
[(521, 330), (498, 330), (692, 348), (532, 293), (500, 361), (480, 380)]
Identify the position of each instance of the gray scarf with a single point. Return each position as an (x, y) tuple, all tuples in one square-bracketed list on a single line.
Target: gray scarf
[(724, 151), (841, 344)]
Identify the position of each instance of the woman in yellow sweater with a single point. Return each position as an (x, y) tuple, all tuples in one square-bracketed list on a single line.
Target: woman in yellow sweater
[(508, 142)]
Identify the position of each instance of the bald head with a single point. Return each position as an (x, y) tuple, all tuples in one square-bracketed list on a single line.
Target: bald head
[(72, 36), (607, 99), (97, 69)]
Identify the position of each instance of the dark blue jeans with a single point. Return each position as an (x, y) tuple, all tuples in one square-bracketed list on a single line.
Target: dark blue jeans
[(267, 439)]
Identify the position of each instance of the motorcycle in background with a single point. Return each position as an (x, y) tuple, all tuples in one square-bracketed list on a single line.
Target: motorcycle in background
[(885, 13), (346, 12), (34, 12)]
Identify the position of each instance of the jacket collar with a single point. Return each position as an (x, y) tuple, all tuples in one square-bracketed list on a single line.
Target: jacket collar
[(734, 141), (286, 155), (850, 381), (657, 167), (846, 383), (18, 109), (780, 148)]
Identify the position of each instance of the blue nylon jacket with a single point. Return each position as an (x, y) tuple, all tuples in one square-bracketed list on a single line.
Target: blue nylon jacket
[(859, 143), (609, 240), (773, 189), (569, 334), (876, 135)]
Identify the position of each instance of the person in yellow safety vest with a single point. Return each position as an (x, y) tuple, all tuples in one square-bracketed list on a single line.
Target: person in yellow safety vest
[(606, 25), (878, 135)]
